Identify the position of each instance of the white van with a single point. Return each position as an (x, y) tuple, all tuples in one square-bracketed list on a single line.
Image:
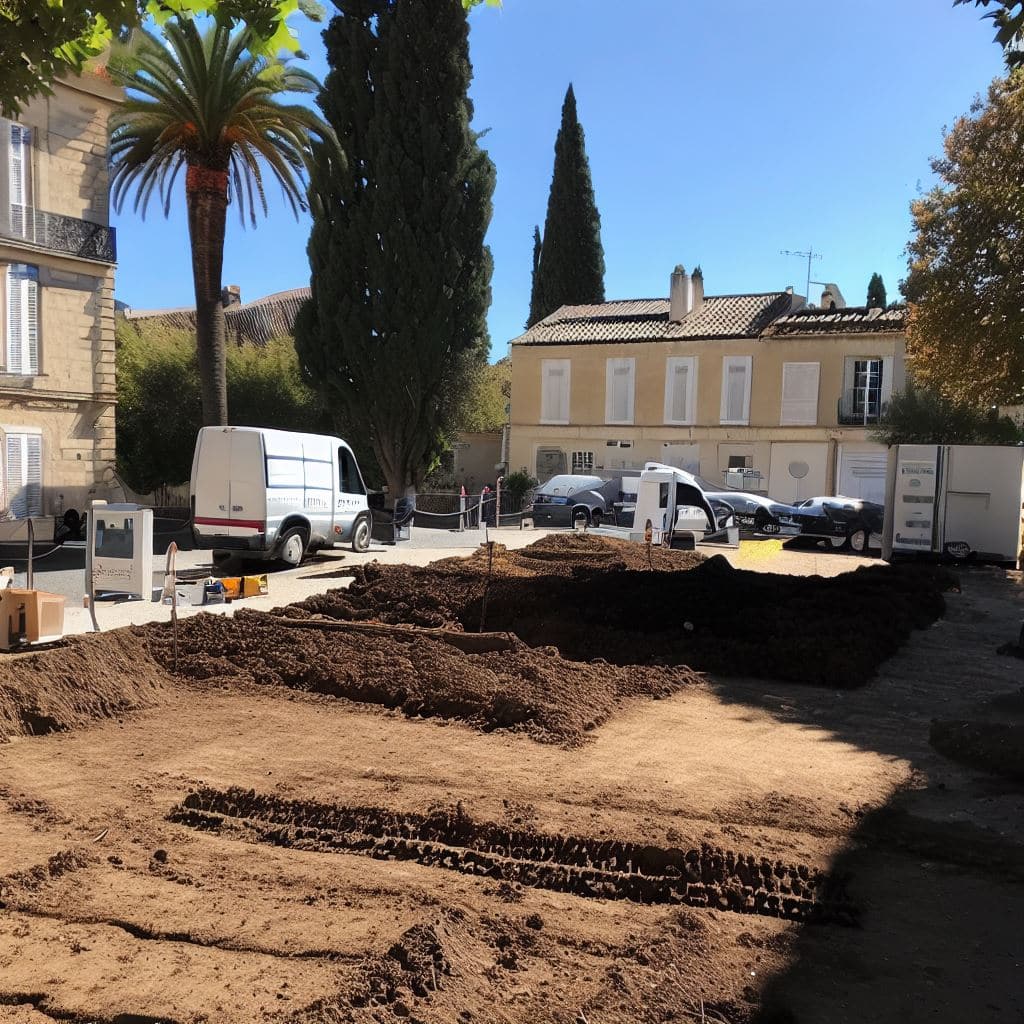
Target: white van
[(275, 494)]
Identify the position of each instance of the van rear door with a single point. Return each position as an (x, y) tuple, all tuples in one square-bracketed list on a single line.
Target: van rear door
[(229, 489)]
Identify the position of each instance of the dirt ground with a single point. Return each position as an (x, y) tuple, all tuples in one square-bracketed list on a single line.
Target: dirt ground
[(217, 846)]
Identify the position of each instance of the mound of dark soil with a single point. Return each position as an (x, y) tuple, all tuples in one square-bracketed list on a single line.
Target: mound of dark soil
[(826, 631), (995, 747), (86, 678), (561, 554), (525, 689)]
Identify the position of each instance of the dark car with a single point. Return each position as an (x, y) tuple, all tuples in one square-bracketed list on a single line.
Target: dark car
[(841, 522), (569, 497), (756, 513)]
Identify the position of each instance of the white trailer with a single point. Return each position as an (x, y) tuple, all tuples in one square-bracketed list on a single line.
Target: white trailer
[(673, 503), (955, 500), (276, 494)]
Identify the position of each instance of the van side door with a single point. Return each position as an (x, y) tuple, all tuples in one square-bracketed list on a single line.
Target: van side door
[(350, 498)]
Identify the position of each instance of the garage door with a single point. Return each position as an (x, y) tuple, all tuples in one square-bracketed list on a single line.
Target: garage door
[(862, 474)]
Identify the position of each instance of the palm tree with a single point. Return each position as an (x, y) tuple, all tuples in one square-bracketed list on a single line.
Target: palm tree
[(207, 102)]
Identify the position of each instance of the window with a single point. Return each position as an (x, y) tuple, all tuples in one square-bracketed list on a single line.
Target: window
[(20, 178), (740, 462), (583, 462), (618, 400), (349, 480), (800, 394), (21, 332), (867, 388), (554, 399), (680, 387), (24, 465), (736, 389)]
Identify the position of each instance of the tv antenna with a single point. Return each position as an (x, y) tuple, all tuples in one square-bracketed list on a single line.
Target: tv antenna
[(810, 255)]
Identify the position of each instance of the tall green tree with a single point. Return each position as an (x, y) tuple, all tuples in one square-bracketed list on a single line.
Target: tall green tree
[(400, 275), (208, 103), (535, 313), (966, 259), (40, 40), (876, 292), (571, 267)]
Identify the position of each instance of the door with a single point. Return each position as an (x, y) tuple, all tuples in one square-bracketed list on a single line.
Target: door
[(550, 462), (862, 473), (351, 497)]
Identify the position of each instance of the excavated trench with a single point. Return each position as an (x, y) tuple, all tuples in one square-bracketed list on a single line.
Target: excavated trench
[(587, 867)]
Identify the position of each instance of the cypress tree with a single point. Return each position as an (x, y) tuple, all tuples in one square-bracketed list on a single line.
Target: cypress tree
[(571, 265), (876, 292), (535, 313), (400, 275)]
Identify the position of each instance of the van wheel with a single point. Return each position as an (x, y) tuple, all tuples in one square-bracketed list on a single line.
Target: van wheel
[(361, 535), (293, 547)]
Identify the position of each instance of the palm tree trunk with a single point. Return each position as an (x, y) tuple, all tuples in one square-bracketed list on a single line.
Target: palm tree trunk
[(206, 193)]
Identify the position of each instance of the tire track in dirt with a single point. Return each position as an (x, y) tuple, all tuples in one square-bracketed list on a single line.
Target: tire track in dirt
[(606, 869), (40, 1002)]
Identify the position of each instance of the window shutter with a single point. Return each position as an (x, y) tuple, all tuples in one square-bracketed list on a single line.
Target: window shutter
[(555, 391), (15, 476), (618, 407), (15, 321), (680, 379), (736, 389), (19, 166), (33, 474), (887, 374), (800, 394), (30, 355)]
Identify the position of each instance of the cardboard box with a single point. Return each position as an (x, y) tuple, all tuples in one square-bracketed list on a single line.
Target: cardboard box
[(30, 616)]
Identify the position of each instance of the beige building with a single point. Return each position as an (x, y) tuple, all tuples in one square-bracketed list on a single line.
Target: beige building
[(757, 390), (57, 256)]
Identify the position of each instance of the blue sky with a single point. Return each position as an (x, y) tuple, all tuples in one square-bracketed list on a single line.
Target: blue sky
[(718, 134)]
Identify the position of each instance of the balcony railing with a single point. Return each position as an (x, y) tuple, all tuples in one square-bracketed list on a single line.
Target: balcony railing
[(59, 233), (861, 407)]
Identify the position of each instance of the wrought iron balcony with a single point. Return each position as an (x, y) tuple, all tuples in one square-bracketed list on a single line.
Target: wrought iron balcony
[(860, 407), (59, 233)]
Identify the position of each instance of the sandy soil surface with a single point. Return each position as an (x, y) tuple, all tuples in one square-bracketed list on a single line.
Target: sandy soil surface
[(228, 849)]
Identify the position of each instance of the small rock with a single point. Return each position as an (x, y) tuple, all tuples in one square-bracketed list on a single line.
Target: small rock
[(400, 1009), (160, 856)]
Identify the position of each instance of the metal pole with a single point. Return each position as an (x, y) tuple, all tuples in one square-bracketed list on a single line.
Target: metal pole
[(29, 575), (90, 536)]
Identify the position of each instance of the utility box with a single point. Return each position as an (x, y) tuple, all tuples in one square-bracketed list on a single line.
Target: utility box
[(120, 548), (29, 617), (955, 500)]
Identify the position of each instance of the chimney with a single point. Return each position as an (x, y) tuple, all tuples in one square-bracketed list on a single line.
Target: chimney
[(697, 289), (832, 297), (680, 294), (231, 296)]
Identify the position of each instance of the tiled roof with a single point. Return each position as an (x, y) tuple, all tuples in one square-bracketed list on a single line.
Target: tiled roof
[(720, 316), (851, 320), (258, 321)]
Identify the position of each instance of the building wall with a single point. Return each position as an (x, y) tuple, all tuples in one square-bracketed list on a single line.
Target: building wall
[(70, 402), (476, 455), (707, 445)]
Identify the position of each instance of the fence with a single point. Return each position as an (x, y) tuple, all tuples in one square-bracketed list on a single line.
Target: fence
[(450, 511)]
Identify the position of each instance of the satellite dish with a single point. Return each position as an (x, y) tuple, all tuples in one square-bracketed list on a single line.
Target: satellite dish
[(798, 470)]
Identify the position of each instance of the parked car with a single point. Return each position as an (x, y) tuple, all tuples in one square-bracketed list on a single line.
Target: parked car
[(568, 497), (841, 522), (757, 512)]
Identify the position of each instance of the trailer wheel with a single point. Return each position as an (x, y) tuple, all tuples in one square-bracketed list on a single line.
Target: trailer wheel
[(361, 535), (293, 547), (859, 541)]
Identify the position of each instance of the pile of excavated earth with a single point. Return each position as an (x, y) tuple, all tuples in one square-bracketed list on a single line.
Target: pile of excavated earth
[(544, 784)]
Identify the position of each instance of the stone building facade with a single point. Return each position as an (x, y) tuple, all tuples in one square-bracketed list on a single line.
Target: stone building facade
[(57, 259), (760, 391)]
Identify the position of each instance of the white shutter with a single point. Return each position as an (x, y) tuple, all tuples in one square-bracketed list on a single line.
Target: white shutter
[(800, 394), (19, 165), (554, 391), (22, 330), (888, 367), (24, 464), (33, 474), (680, 387), (736, 389), (15, 321), (618, 404)]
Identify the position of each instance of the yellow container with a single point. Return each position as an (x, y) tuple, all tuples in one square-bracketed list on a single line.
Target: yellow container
[(232, 586), (255, 586)]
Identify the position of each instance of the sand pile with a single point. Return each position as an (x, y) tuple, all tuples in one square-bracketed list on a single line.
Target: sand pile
[(84, 679), (524, 689)]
